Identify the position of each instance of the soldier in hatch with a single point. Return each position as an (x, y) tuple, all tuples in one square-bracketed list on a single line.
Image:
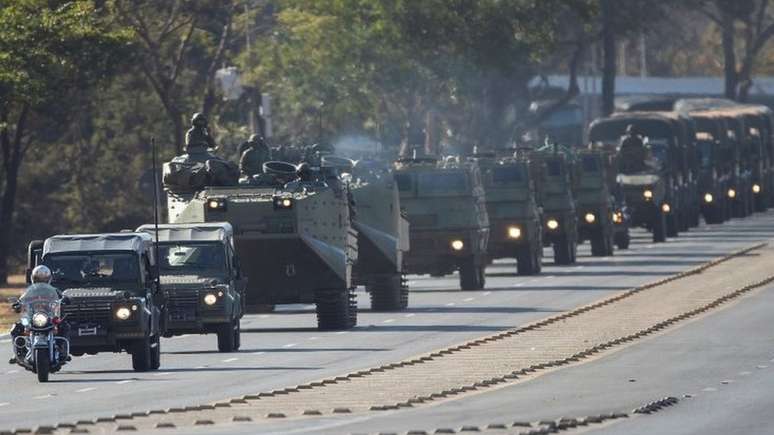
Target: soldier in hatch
[(632, 152), (254, 156)]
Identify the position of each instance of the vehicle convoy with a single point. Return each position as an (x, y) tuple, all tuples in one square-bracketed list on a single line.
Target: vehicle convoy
[(714, 153), (114, 303), (594, 202), (650, 186), (201, 280), (382, 233), (552, 174), (514, 217), (449, 224), (39, 347), (294, 236)]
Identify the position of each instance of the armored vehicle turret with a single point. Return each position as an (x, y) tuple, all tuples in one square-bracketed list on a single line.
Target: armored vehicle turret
[(201, 280), (294, 236), (514, 216), (449, 225), (115, 304)]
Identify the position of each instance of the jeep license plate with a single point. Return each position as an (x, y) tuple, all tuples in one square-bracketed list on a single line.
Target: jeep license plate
[(86, 332)]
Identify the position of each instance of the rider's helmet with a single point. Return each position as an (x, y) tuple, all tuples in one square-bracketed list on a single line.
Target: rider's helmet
[(199, 120), (41, 274)]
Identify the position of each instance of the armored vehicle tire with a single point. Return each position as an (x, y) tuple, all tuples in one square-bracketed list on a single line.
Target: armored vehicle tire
[(388, 293), (527, 261), (472, 275), (141, 355), (336, 309), (227, 336), (155, 355), (659, 228), (42, 364), (564, 251), (622, 240)]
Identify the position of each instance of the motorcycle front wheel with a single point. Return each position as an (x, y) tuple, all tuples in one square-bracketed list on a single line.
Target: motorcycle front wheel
[(42, 364)]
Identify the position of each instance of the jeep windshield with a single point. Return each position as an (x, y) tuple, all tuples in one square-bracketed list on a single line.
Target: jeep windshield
[(95, 270), (202, 259)]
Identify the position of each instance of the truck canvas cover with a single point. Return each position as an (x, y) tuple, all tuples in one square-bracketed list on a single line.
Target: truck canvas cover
[(200, 232), (136, 242)]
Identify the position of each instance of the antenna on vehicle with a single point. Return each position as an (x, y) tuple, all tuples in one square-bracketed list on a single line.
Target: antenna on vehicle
[(156, 215)]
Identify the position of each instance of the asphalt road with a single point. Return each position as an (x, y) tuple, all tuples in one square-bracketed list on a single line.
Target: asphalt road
[(284, 348)]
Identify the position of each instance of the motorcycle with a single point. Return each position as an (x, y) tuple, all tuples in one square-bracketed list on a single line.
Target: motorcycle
[(40, 347)]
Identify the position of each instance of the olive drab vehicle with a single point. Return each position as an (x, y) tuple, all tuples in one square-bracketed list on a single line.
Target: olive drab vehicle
[(201, 280), (514, 216), (295, 238), (594, 201), (552, 175), (114, 302), (382, 234), (758, 124), (446, 210)]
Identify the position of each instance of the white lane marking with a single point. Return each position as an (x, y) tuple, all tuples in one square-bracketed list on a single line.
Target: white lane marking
[(550, 277), (5, 341), (451, 304), (257, 353), (200, 367), (487, 293), (579, 267), (85, 390), (314, 338), (162, 373), (228, 360), (342, 332), (744, 373), (410, 315), (125, 381), (289, 345), (45, 396), (762, 366), (710, 389), (389, 321), (468, 299), (519, 284), (4, 404)]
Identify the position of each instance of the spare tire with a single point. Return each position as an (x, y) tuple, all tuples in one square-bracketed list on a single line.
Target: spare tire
[(279, 168)]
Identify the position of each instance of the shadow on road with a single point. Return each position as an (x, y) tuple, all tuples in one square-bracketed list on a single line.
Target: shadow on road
[(280, 350)]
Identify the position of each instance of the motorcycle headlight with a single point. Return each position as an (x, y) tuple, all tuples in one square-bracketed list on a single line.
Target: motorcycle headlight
[(210, 299), (123, 313), (457, 245), (39, 320), (648, 194), (514, 232), (590, 218)]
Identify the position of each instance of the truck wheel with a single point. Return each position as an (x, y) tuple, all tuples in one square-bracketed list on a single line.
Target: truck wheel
[(609, 245), (526, 261), (388, 293), (672, 225), (563, 254), (227, 337), (336, 309), (238, 335), (622, 239), (155, 355), (598, 244), (471, 275), (141, 355), (659, 227), (42, 364)]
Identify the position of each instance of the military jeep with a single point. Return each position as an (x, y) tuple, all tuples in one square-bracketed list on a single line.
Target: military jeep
[(115, 304), (201, 280), (596, 210)]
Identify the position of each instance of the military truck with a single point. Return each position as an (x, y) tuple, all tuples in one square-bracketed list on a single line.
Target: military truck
[(514, 216), (382, 234), (551, 173), (115, 303), (446, 210), (201, 280), (295, 237), (714, 177), (594, 202)]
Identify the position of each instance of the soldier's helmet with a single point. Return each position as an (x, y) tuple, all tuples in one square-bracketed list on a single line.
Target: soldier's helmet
[(41, 274), (199, 120), (256, 139), (631, 130), (304, 171)]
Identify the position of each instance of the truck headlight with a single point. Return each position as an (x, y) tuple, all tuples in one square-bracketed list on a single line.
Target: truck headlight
[(457, 245), (617, 217), (123, 313), (708, 198), (514, 232), (731, 193), (648, 194), (756, 188), (666, 208), (552, 224), (217, 204), (590, 218), (210, 299), (39, 320)]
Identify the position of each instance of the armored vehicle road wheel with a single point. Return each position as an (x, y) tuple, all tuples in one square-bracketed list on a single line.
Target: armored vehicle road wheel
[(155, 355), (42, 364), (659, 228), (336, 309), (599, 244), (527, 261), (564, 251), (388, 293), (227, 333), (471, 275), (141, 355)]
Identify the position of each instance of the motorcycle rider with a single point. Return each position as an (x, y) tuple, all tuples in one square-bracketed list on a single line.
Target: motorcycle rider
[(41, 282)]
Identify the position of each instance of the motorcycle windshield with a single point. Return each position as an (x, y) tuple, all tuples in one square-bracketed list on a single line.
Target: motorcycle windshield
[(40, 299)]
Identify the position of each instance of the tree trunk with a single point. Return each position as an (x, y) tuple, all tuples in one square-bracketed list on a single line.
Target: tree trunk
[(729, 56), (609, 59), (12, 159)]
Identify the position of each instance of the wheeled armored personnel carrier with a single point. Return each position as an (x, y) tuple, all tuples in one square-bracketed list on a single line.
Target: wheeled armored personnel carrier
[(514, 217), (201, 280), (594, 202), (114, 303), (449, 225), (295, 238)]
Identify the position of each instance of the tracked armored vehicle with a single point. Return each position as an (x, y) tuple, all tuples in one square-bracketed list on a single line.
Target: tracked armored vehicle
[(295, 238), (201, 280), (446, 210), (514, 217)]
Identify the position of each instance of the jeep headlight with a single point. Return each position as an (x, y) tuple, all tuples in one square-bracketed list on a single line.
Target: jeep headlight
[(210, 299), (123, 313), (39, 320), (590, 218), (648, 194), (552, 224), (708, 198), (457, 245), (731, 193), (514, 232), (756, 188)]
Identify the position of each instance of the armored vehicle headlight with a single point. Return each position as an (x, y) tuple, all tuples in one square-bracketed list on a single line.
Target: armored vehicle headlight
[(708, 198), (514, 232), (210, 299), (666, 208), (756, 188), (283, 203), (216, 204), (457, 245), (552, 224), (123, 313), (648, 194), (731, 193), (39, 320), (590, 218)]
